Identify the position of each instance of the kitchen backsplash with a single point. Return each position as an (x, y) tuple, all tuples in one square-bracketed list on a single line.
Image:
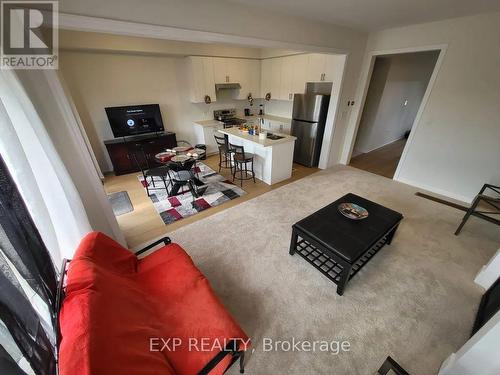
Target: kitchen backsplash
[(225, 100)]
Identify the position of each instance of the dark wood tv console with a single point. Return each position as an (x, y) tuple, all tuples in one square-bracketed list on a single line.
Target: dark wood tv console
[(121, 150)]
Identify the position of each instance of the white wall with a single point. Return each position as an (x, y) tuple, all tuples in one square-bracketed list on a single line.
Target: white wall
[(479, 355), (396, 90), (490, 272), (454, 148)]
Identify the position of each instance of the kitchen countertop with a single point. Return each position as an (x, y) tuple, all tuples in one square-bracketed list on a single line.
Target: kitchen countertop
[(209, 123), (215, 123), (255, 138), (268, 117)]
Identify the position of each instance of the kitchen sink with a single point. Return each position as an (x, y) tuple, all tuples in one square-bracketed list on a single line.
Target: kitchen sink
[(274, 137)]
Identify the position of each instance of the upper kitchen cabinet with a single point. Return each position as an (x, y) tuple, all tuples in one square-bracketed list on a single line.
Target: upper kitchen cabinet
[(271, 78), (299, 63), (201, 79), (246, 72), (286, 80), (293, 76), (321, 67), (228, 70), (249, 78)]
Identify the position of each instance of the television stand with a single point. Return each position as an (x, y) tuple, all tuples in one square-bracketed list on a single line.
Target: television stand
[(121, 150)]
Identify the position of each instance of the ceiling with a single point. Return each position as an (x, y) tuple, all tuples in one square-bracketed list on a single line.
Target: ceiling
[(370, 15)]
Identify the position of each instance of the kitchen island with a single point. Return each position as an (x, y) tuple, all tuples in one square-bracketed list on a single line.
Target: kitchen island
[(273, 158)]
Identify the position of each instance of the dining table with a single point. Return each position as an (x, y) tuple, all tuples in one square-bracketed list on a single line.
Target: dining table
[(180, 158)]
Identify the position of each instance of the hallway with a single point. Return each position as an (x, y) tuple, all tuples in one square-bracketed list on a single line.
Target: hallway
[(382, 161)]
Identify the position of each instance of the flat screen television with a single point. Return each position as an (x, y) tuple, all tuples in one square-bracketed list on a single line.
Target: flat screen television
[(135, 119)]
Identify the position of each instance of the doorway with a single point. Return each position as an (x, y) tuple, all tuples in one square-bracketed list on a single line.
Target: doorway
[(395, 92)]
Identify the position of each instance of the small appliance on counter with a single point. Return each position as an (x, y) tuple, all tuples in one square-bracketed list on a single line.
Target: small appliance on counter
[(308, 125), (228, 117)]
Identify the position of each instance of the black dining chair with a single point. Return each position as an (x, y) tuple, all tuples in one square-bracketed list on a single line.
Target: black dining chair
[(484, 206), (241, 159), (224, 153), (141, 160), (182, 174)]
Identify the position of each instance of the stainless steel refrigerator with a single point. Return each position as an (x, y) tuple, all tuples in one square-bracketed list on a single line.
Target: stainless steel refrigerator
[(308, 125)]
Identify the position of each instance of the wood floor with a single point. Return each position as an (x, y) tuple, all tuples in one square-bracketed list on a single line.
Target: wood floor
[(382, 161), (144, 223)]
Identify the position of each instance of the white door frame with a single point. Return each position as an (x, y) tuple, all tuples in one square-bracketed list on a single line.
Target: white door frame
[(127, 28), (366, 73)]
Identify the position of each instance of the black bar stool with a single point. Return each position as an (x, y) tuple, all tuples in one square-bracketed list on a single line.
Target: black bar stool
[(241, 160), (224, 153)]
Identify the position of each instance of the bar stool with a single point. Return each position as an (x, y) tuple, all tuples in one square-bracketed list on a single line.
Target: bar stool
[(241, 160), (224, 153)]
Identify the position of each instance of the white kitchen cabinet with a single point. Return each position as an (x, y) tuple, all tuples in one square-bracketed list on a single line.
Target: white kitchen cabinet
[(315, 67), (221, 70), (293, 76), (248, 76), (271, 77), (276, 77), (205, 135), (286, 79), (246, 72), (228, 70), (321, 67), (265, 77), (299, 63), (333, 66), (201, 79)]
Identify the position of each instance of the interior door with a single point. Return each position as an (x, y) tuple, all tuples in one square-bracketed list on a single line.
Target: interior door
[(306, 144)]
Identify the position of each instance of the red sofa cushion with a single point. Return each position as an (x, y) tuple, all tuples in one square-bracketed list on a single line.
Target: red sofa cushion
[(107, 319), (189, 309), (115, 305), (106, 252)]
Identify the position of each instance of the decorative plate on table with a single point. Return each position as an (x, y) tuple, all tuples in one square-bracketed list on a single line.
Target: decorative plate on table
[(181, 149), (353, 211), (164, 155), (180, 158)]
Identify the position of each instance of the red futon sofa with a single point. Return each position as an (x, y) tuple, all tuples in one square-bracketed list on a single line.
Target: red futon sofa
[(156, 315)]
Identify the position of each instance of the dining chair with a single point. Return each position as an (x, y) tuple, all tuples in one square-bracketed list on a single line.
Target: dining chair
[(241, 159), (141, 160), (484, 206), (224, 153), (182, 174)]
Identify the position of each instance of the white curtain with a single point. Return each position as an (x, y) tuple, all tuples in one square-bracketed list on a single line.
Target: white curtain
[(38, 171)]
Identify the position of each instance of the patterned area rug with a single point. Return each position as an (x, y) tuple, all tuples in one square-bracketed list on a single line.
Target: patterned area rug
[(219, 190)]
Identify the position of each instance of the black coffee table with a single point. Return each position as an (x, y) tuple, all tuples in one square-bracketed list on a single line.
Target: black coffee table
[(339, 247)]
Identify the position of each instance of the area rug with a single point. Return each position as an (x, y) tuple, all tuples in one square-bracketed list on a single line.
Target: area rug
[(219, 190), (120, 203)]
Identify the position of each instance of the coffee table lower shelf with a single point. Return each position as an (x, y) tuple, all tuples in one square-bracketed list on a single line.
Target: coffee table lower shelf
[(333, 267)]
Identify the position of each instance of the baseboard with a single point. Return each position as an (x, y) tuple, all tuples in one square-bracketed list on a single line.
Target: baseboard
[(444, 193), (385, 144)]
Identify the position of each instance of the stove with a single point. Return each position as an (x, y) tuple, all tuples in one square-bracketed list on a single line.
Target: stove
[(228, 117)]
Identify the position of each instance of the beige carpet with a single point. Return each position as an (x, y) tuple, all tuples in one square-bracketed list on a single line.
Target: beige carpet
[(415, 300)]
